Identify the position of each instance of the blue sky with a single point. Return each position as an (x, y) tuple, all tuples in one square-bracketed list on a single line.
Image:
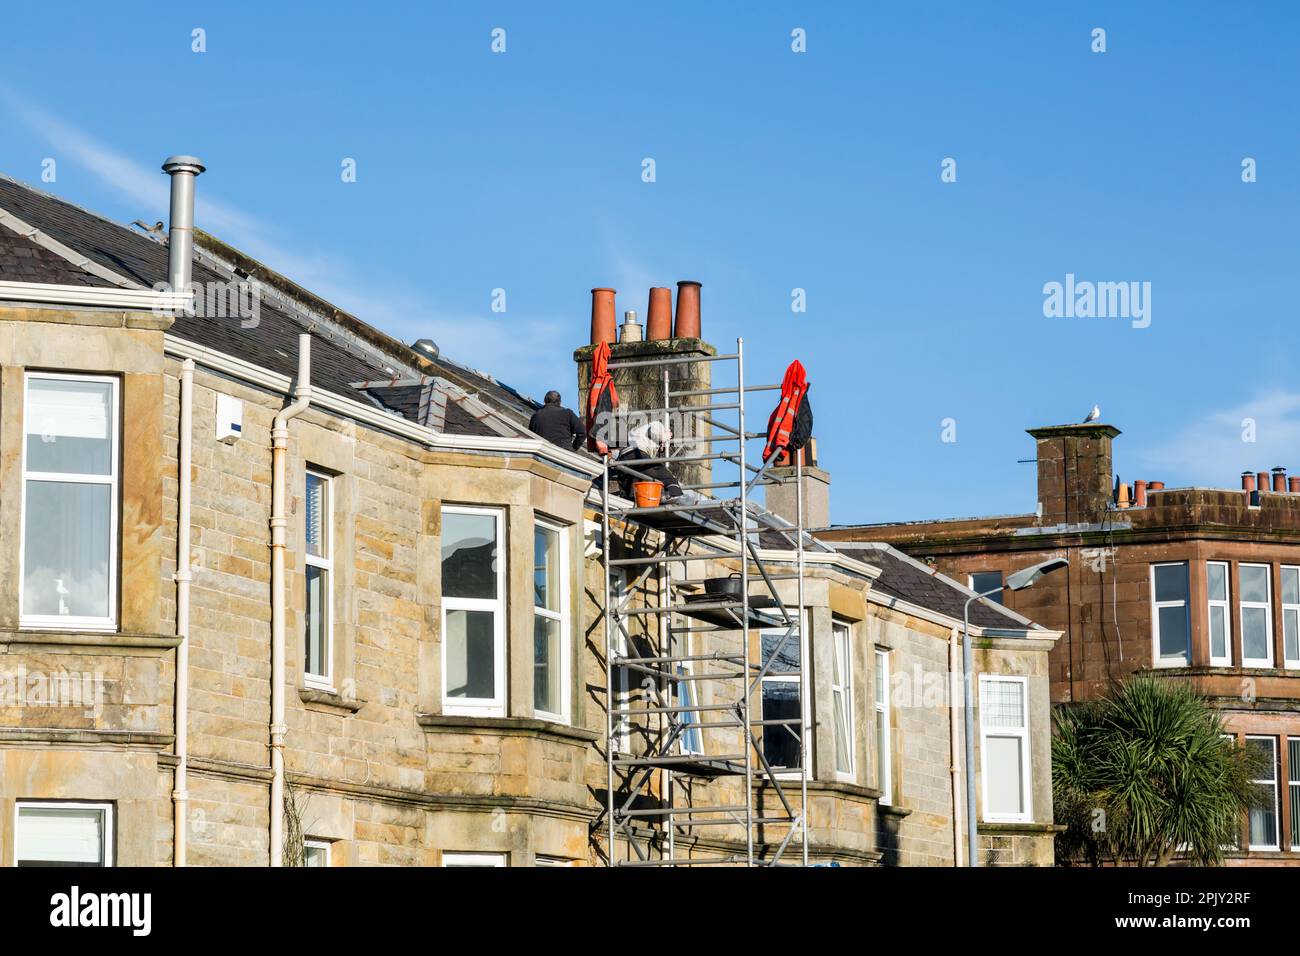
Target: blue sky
[(774, 171)]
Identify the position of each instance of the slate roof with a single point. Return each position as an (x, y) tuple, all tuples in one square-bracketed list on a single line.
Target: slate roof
[(339, 360), (23, 260), (909, 580)]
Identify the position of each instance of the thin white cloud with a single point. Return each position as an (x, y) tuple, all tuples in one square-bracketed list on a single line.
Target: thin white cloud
[(512, 350), (1212, 450)]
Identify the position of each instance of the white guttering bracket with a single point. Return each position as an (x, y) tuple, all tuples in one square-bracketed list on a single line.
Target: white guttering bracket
[(129, 300), (367, 414)]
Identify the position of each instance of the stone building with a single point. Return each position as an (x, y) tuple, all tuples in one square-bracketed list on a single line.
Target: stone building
[(275, 587), (1196, 584)]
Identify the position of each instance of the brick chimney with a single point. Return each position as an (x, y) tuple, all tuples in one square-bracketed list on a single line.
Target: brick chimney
[(641, 388), (1074, 472)]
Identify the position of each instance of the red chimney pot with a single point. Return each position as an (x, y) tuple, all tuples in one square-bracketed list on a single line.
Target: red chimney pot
[(688, 310), (1139, 494), (659, 314), (604, 326)]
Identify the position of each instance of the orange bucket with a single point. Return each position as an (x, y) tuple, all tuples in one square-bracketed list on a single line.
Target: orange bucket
[(647, 493)]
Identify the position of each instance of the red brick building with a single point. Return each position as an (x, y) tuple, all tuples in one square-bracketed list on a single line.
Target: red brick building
[(1200, 584)]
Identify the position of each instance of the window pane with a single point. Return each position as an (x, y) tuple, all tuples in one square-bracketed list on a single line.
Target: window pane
[(1254, 633), (1254, 583), (787, 658), (68, 426), (546, 569), (882, 755), (471, 643), (690, 736), (1291, 585), (1217, 580), (317, 617), (1173, 632), (1293, 754), (982, 581), (781, 743), (1265, 746), (65, 559), (882, 665), (315, 856), (1171, 582), (1003, 766), (315, 517), (842, 762), (1218, 632), (546, 665), (61, 836), (469, 555), (1291, 633), (1002, 704), (1263, 819)]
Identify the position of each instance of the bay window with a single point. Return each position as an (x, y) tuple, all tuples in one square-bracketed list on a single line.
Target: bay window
[(473, 611), (69, 508), (1004, 747), (1256, 615), (1291, 615), (550, 623), (1170, 622), (1220, 613)]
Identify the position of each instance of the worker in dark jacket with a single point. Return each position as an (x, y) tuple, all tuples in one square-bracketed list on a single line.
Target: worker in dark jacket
[(557, 424)]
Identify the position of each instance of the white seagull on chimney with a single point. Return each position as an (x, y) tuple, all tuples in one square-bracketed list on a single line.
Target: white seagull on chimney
[(1093, 415)]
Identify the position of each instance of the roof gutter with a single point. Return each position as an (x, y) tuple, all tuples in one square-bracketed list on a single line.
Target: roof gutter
[(367, 414)]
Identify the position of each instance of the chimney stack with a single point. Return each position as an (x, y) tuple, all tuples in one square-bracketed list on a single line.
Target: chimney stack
[(180, 237), (659, 314), (1075, 479), (603, 321), (688, 310)]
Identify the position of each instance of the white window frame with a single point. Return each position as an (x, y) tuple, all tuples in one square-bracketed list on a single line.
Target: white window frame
[(553, 861), (326, 565), (1274, 782), (477, 706), (880, 707), (1226, 606), (497, 860), (1292, 610), (626, 689), (562, 616), (842, 696), (805, 710), (1267, 605), (102, 807), (324, 845), (1156, 659), (1292, 785), (996, 597), (1022, 734), (66, 622)]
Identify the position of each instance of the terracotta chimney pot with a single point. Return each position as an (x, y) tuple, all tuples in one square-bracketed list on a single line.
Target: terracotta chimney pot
[(1139, 494), (1263, 481), (604, 324), (1279, 480), (688, 310), (659, 314)]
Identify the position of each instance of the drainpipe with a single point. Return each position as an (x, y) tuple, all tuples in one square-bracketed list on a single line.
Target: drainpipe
[(180, 795), (954, 735), (279, 455)]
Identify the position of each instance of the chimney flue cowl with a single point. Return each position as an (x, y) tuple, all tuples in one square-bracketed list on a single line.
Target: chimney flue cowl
[(688, 310), (631, 330), (180, 237), (1247, 481)]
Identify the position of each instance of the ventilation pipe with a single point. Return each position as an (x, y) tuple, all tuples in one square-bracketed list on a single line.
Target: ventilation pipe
[(180, 237), (180, 793), (279, 521)]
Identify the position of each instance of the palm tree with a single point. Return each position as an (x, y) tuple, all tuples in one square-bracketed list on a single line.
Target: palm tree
[(1145, 773)]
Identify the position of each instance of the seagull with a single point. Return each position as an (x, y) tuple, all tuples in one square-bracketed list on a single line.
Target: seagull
[(1092, 415)]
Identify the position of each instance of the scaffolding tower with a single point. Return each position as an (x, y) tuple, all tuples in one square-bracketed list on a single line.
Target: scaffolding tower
[(684, 692)]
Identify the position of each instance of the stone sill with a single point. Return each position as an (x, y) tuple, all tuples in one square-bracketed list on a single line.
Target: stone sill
[(1020, 829), (317, 698), (92, 641), (523, 726), (1207, 670), (841, 787), (95, 316), (893, 810)]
